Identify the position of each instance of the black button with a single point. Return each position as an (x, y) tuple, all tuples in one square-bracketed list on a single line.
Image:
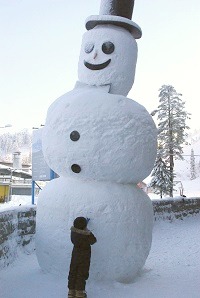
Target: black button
[(76, 168), (74, 135)]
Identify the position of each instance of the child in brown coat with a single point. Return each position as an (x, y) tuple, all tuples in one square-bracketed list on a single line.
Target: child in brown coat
[(82, 240)]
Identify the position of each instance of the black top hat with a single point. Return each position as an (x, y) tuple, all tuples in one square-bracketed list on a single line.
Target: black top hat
[(115, 12)]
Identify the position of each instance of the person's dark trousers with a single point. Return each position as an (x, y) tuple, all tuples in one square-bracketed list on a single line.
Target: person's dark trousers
[(78, 274)]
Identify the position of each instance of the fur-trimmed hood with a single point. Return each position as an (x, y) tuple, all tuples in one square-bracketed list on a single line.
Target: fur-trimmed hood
[(83, 232), (82, 240)]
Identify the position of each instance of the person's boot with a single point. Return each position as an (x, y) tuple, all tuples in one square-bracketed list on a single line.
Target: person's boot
[(81, 294), (71, 294)]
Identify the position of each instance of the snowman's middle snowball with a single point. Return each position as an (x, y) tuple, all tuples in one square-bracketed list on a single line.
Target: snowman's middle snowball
[(118, 137)]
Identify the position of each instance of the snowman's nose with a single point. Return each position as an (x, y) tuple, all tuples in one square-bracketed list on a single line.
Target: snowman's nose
[(95, 55)]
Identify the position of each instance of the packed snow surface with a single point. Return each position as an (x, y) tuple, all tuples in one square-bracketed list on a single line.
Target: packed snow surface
[(172, 270), (117, 137), (121, 219)]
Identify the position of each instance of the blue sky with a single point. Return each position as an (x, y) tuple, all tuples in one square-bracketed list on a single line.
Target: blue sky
[(40, 45)]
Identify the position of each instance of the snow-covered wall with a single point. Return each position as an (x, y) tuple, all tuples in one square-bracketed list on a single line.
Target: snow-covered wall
[(17, 230), (171, 209)]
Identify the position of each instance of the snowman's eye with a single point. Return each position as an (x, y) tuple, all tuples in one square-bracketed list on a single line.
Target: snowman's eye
[(74, 135), (108, 47), (76, 168), (89, 47)]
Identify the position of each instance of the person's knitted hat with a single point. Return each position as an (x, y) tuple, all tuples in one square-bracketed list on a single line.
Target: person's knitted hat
[(80, 223)]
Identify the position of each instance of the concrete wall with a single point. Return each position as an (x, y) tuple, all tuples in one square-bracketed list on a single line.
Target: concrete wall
[(17, 225), (17, 230)]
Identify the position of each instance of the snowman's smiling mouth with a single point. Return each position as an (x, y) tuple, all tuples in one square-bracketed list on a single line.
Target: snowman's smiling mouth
[(97, 66)]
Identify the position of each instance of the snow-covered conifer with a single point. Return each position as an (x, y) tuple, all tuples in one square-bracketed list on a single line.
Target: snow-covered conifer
[(161, 177), (171, 127)]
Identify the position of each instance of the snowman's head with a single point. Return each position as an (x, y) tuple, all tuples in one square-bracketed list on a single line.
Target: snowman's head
[(108, 57)]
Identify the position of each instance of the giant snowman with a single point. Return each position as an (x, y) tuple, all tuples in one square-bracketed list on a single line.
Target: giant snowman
[(101, 144)]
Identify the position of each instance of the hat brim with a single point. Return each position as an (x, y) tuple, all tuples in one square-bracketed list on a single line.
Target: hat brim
[(132, 27)]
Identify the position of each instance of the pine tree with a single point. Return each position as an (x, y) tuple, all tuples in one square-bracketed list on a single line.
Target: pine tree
[(171, 128), (161, 177), (192, 166)]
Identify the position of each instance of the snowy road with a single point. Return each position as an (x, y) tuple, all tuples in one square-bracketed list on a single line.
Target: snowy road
[(172, 270)]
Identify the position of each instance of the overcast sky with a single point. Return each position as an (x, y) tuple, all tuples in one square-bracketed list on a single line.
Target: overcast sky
[(40, 43)]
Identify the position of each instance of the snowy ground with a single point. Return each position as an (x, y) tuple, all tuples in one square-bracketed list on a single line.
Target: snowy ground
[(16, 201), (172, 270)]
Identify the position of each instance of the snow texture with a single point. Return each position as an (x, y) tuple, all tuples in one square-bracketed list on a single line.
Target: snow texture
[(117, 137), (120, 72), (121, 217)]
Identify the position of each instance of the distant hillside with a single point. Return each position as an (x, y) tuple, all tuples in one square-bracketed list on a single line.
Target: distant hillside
[(191, 188), (182, 168), (16, 141)]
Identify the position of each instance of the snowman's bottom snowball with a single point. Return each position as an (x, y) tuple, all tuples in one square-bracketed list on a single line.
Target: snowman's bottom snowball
[(121, 219)]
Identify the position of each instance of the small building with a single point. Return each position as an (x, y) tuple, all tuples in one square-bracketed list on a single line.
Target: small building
[(14, 182), (4, 192)]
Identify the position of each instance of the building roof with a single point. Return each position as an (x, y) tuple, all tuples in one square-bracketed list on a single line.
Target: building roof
[(5, 170)]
